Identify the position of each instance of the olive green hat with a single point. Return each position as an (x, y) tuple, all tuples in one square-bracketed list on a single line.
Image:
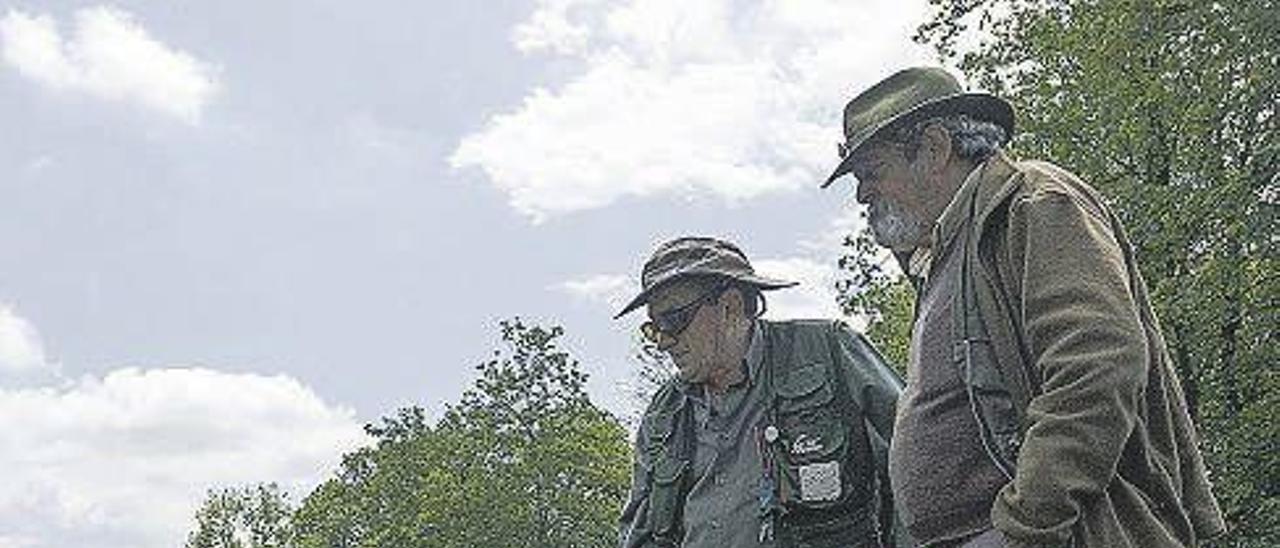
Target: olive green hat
[(910, 96), (693, 256)]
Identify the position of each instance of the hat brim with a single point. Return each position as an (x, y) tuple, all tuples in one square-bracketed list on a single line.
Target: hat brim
[(759, 282), (980, 106)]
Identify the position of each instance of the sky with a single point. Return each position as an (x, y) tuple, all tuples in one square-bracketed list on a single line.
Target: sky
[(234, 232)]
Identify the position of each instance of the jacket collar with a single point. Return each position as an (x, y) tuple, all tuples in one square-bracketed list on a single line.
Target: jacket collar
[(957, 211), (1001, 179), (992, 181)]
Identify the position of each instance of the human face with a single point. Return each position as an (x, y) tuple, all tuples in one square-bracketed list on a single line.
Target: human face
[(667, 325), (698, 350), (893, 189)]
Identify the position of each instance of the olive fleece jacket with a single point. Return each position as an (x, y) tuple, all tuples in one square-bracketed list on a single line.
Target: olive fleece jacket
[(1109, 456)]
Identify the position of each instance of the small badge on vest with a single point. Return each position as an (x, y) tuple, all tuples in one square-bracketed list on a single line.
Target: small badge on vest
[(820, 481), (806, 444)]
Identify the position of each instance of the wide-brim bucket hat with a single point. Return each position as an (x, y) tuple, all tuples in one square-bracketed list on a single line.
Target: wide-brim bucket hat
[(696, 256), (909, 96)]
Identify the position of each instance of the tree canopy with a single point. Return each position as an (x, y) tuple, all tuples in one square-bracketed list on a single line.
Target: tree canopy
[(525, 459), (246, 517), (872, 288)]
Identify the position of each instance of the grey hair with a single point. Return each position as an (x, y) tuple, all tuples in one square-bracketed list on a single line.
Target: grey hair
[(753, 302), (971, 139)]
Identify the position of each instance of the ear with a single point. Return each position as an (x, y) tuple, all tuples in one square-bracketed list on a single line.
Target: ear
[(935, 149), (732, 301)]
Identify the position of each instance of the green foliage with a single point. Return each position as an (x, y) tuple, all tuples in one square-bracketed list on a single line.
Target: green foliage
[(656, 369), (879, 294), (1169, 108), (523, 460), (247, 517)]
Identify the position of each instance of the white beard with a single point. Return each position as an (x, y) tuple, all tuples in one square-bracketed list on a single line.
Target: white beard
[(896, 228)]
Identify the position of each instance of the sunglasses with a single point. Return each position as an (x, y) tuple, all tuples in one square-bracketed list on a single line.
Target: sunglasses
[(673, 322)]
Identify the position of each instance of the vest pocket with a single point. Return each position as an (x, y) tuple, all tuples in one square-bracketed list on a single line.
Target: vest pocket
[(658, 427), (850, 529), (813, 448), (804, 390), (811, 427), (814, 465), (664, 499)]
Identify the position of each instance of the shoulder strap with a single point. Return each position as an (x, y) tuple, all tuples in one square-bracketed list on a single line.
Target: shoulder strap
[(991, 400), (1002, 325)]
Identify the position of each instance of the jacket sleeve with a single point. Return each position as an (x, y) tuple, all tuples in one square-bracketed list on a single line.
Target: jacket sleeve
[(1081, 326), (875, 388), (633, 529)]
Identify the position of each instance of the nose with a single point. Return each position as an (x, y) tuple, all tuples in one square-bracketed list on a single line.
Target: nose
[(863, 191), (665, 341)]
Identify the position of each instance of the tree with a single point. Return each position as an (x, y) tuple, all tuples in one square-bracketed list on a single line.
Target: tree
[(254, 516), (525, 459), (1169, 108), (655, 370), (877, 291)]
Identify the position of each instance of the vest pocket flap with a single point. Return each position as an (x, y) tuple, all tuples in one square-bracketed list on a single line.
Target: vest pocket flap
[(805, 386), (665, 496), (658, 425), (668, 471)]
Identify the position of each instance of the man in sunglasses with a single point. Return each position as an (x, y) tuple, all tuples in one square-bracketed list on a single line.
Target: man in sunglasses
[(773, 433)]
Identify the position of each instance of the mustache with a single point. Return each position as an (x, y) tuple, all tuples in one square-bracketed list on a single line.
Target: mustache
[(894, 225)]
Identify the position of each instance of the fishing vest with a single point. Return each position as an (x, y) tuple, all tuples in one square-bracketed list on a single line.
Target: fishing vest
[(817, 488)]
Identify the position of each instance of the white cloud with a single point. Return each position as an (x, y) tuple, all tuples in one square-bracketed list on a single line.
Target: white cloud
[(829, 243), (717, 98), (124, 460), (109, 56), (21, 349), (612, 290), (815, 297), (549, 28)]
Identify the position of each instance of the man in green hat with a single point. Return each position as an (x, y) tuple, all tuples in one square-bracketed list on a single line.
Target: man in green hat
[(773, 433), (1041, 407)]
